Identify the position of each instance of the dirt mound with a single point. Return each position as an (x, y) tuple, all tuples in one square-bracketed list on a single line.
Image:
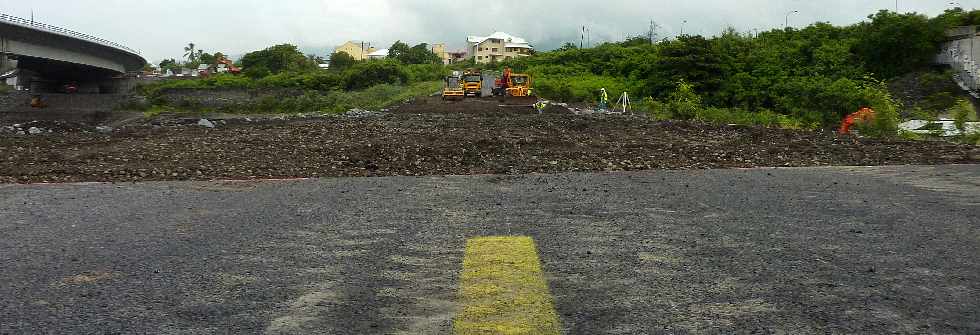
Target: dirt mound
[(432, 137)]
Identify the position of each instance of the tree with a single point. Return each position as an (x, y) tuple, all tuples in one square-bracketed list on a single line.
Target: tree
[(568, 46), (276, 59), (341, 60), (170, 64), (315, 59), (419, 54), (635, 41), (689, 59), (398, 50), (422, 54), (206, 58), (190, 52), (367, 74), (893, 44)]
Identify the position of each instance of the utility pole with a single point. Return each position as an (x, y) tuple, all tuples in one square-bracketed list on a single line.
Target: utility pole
[(682, 27), (581, 44), (651, 32), (787, 18), (32, 16)]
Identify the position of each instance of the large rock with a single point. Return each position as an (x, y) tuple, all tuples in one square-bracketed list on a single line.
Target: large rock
[(206, 123)]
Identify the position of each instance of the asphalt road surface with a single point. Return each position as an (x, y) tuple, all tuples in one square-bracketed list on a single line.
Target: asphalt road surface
[(883, 250)]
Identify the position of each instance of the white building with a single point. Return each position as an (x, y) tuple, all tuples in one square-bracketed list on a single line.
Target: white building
[(379, 54), (497, 47)]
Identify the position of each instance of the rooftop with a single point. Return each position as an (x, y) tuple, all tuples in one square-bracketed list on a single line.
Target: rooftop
[(379, 53), (511, 40)]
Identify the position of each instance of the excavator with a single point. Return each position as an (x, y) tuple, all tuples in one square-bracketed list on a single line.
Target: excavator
[(515, 84)]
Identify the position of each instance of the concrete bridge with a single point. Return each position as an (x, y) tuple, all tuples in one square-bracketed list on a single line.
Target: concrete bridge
[(44, 58)]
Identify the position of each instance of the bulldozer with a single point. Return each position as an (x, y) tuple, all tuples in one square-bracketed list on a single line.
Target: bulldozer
[(473, 83), (453, 89)]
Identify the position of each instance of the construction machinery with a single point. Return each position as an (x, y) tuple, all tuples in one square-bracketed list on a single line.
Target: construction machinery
[(515, 84), (863, 116), (229, 65), (473, 83), (520, 85), (453, 89)]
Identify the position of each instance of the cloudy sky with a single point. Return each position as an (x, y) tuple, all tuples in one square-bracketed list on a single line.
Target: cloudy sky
[(161, 28)]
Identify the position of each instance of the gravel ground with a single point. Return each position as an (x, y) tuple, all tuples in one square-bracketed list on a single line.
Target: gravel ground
[(431, 137)]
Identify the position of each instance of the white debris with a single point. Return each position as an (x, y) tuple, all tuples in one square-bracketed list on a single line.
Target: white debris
[(944, 128), (360, 113), (205, 123), (103, 129), (35, 130)]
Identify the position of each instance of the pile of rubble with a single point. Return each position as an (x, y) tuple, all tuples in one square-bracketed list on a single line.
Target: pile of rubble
[(358, 113), (49, 127)]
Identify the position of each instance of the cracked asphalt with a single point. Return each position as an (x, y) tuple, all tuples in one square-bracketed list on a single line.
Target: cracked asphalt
[(837, 250)]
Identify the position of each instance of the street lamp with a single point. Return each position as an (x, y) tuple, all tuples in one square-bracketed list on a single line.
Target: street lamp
[(787, 18), (682, 27)]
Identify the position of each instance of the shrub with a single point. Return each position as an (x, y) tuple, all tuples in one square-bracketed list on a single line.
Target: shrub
[(886, 119), (580, 87), (367, 74), (425, 72), (961, 113), (684, 103)]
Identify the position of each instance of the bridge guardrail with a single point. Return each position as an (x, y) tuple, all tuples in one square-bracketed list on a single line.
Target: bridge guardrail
[(62, 31)]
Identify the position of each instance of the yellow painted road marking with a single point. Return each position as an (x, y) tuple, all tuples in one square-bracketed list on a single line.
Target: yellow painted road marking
[(503, 290)]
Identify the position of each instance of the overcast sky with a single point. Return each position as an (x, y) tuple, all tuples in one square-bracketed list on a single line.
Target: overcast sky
[(160, 29)]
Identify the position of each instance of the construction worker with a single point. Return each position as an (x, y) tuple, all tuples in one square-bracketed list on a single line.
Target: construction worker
[(540, 106), (604, 99)]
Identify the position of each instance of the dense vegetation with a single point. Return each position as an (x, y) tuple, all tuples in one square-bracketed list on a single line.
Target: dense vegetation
[(813, 76), (348, 84), (805, 78)]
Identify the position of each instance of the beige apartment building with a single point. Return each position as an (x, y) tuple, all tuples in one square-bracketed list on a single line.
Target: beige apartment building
[(440, 50), (358, 50), (497, 47)]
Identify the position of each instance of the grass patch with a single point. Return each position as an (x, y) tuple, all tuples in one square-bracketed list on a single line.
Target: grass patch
[(329, 102)]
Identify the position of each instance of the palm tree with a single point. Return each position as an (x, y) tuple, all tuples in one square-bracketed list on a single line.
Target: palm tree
[(190, 52)]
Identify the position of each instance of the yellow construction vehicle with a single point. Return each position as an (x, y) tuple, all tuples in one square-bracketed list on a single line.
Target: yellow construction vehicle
[(454, 87), (520, 85), (473, 83), (515, 84)]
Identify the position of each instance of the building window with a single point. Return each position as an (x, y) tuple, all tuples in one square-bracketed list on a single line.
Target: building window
[(494, 49), (479, 57)]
